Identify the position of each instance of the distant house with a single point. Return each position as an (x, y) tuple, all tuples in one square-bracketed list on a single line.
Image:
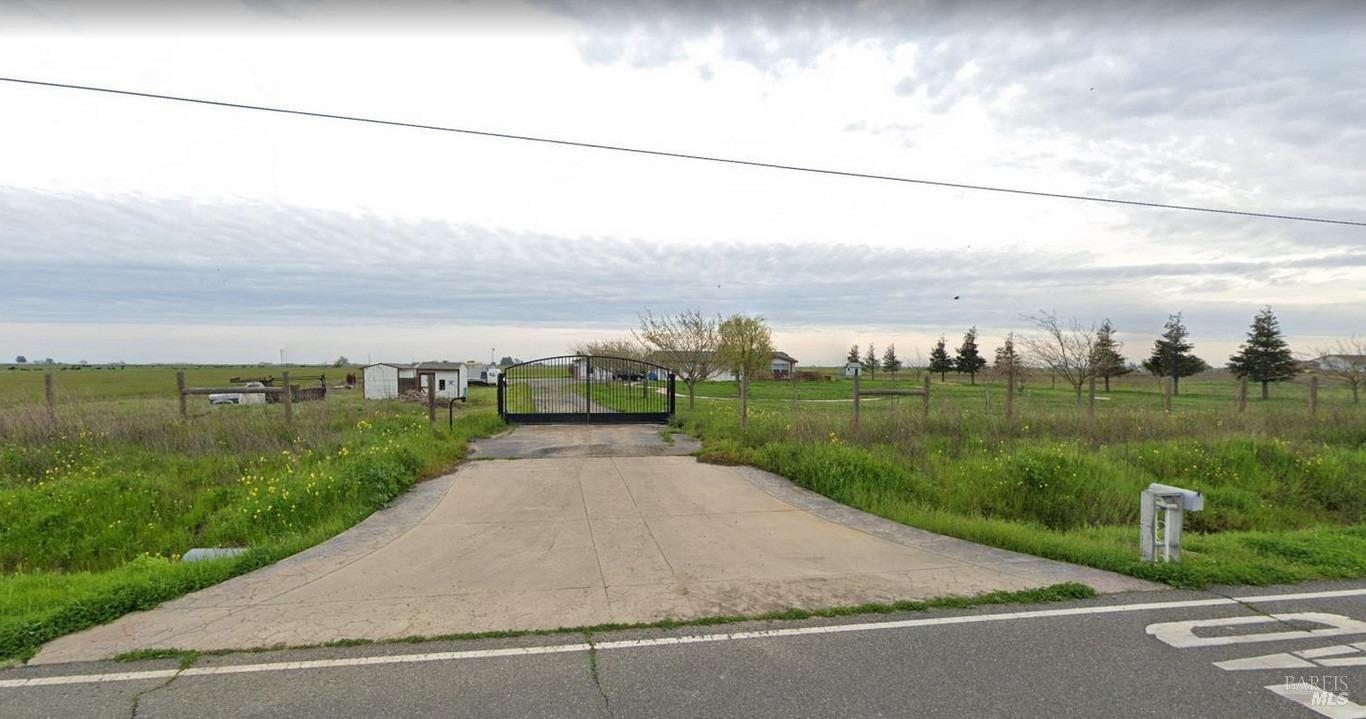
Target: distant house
[(780, 366), (1337, 363), (604, 370), (852, 369)]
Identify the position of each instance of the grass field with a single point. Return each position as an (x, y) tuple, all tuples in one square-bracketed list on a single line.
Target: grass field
[(1286, 491), (98, 501), (22, 385)]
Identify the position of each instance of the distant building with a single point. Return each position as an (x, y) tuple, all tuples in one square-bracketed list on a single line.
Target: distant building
[(481, 372), (389, 380), (1337, 363), (452, 379), (780, 366), (852, 368)]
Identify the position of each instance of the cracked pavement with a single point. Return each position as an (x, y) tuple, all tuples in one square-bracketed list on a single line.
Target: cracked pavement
[(1121, 655)]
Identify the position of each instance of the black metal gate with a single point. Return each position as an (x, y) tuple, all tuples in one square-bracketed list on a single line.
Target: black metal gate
[(584, 389)]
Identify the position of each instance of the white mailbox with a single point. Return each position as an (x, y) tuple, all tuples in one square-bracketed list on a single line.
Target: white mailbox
[(1161, 513), (1191, 500)]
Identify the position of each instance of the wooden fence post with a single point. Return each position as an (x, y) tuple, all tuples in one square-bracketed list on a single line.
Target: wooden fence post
[(289, 401), (1010, 393), (856, 396), (1314, 394), (744, 402), (925, 401), (50, 394), (1167, 395), (180, 394), (1242, 395), (431, 399), (1091, 400)]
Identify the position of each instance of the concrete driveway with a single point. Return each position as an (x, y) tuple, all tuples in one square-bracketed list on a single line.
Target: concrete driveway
[(563, 541)]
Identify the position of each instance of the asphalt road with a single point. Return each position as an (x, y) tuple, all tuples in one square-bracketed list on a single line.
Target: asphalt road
[(1127, 655)]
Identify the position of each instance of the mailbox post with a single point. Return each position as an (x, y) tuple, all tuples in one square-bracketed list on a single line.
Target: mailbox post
[(1162, 510)]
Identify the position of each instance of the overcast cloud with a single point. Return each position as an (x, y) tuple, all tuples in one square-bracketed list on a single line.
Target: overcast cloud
[(125, 220)]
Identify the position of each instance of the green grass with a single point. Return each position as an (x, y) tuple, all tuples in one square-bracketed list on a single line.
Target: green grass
[(22, 385), (97, 503), (1285, 496)]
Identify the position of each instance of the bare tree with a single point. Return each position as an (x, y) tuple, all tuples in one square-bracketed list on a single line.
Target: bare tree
[(624, 347), (746, 349), (686, 342), (611, 351), (1345, 360), (1066, 349)]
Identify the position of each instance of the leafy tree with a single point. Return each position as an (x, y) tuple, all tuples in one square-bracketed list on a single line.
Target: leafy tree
[(969, 359), (341, 361), (506, 362), (890, 362), (853, 355), (1264, 357), (745, 348), (1172, 354), (869, 361), (939, 359), (686, 343), (21, 360), (1107, 360)]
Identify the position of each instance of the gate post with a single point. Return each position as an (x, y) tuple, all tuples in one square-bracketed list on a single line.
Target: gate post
[(502, 407), (672, 399)]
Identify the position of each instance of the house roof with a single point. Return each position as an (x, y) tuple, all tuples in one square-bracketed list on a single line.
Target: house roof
[(440, 365), (395, 365), (663, 357)]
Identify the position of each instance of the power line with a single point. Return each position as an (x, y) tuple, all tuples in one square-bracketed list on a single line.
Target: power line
[(688, 156)]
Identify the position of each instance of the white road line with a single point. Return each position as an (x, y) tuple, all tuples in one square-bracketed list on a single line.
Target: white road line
[(667, 641)]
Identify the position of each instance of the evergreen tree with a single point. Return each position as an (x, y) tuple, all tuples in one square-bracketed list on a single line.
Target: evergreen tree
[(1172, 354), (939, 359), (1008, 361), (890, 362), (1105, 357), (969, 359), (869, 362), (853, 355), (1264, 357)]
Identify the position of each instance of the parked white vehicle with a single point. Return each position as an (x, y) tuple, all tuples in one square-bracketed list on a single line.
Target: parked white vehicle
[(239, 398)]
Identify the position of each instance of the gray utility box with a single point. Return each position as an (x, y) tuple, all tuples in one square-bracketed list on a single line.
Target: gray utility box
[(1161, 512)]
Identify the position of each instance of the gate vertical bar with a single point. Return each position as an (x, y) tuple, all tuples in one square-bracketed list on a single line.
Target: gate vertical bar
[(588, 391)]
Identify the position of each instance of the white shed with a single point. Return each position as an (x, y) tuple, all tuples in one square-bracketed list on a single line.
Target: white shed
[(852, 368), (452, 379), (385, 380)]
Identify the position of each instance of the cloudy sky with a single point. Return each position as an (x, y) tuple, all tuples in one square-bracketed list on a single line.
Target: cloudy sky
[(142, 230)]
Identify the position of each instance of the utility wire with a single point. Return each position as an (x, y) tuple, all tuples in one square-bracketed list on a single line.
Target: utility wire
[(687, 156)]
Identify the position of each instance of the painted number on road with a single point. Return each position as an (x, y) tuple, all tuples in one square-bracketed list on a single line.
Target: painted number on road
[(1311, 690)]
